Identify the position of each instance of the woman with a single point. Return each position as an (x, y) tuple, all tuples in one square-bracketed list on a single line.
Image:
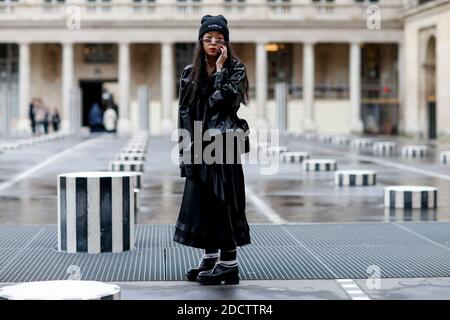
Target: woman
[(212, 214)]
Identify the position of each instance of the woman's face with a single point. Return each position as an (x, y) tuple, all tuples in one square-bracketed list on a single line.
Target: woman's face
[(212, 42)]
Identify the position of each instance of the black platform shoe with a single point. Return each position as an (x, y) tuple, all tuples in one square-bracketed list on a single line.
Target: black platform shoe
[(220, 273), (206, 264)]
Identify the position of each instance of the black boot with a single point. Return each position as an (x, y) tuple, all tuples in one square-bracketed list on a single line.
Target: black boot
[(206, 264), (220, 272)]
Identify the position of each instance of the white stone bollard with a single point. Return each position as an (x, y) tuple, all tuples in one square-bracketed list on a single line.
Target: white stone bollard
[(415, 151), (294, 157), (354, 178), (61, 290), (96, 212), (131, 157), (362, 143), (10, 146), (137, 166), (410, 197), (320, 165), (444, 157), (384, 148)]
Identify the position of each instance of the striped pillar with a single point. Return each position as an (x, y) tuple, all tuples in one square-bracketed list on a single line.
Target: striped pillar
[(361, 143), (325, 138), (137, 202), (133, 150), (276, 150), (281, 93), (444, 157), (384, 148), (143, 98), (415, 151), (131, 157), (341, 141), (354, 178), (135, 166), (294, 157), (320, 165), (410, 197), (61, 290), (96, 212)]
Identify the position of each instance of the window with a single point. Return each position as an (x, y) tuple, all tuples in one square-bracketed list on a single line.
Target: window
[(99, 53)]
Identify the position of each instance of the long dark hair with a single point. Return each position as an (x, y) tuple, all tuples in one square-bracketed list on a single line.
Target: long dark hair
[(198, 73)]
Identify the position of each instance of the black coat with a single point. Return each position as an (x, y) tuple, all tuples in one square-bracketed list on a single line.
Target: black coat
[(212, 213)]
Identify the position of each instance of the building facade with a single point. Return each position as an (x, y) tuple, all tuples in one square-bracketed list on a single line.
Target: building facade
[(351, 66)]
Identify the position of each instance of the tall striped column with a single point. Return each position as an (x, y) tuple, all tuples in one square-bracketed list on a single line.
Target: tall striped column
[(96, 212)]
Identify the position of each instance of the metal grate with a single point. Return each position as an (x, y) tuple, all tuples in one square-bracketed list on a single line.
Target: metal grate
[(283, 252)]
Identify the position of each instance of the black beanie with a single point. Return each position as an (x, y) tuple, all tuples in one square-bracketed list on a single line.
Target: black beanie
[(214, 23)]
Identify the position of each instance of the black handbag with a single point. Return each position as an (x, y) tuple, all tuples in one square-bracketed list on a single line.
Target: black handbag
[(243, 125)]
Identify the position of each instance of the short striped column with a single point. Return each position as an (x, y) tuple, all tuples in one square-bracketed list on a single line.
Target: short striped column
[(96, 212), (384, 148), (61, 290), (320, 165), (341, 141), (361, 143), (276, 150), (310, 136), (9, 146), (353, 178), (444, 157), (415, 151), (294, 157), (133, 150), (131, 157), (325, 138), (137, 166), (410, 197)]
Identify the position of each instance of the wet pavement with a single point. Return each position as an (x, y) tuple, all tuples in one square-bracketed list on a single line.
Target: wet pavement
[(28, 197)]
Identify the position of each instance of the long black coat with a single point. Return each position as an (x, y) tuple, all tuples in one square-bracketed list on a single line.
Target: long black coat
[(212, 213)]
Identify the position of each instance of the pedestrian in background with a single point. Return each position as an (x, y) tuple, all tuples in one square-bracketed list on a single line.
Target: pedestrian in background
[(56, 120)]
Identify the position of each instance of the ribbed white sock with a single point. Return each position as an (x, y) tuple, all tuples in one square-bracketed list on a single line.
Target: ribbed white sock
[(210, 255), (228, 263)]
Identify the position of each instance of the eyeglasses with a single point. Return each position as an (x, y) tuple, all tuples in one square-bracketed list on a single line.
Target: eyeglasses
[(209, 41)]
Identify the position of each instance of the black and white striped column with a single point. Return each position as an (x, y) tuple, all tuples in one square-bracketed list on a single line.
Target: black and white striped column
[(341, 141), (137, 166), (384, 148), (96, 212), (416, 151), (131, 157), (294, 157), (410, 197), (353, 178), (133, 150), (61, 290), (277, 150), (325, 138), (444, 157), (361, 143), (320, 165)]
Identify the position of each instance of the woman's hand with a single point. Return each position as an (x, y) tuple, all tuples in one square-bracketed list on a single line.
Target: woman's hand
[(222, 58)]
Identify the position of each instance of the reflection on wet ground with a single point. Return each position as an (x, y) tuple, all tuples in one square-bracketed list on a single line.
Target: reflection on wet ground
[(296, 196)]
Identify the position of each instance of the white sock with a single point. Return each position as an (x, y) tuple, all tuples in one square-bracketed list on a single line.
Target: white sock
[(210, 255), (228, 263)]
